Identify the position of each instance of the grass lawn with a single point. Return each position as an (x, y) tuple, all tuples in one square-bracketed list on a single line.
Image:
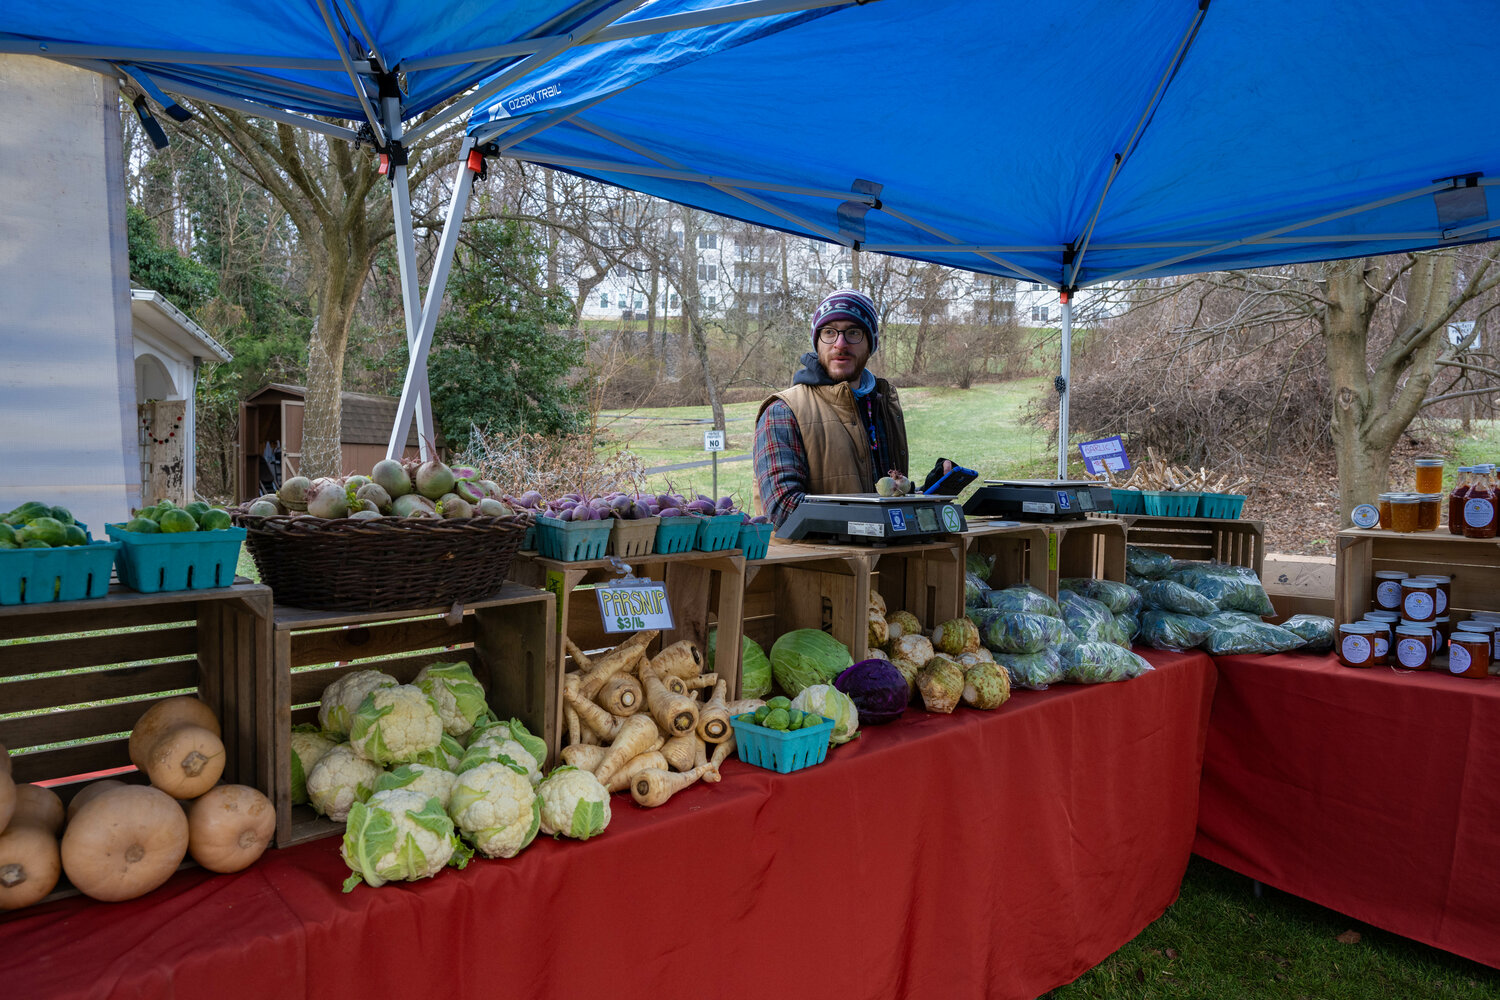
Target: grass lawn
[(1219, 942), (983, 428)]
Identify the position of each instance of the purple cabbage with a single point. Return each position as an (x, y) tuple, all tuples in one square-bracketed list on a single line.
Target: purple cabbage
[(877, 689)]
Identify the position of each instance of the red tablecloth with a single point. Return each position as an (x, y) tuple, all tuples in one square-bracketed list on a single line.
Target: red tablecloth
[(1372, 792), (982, 854)]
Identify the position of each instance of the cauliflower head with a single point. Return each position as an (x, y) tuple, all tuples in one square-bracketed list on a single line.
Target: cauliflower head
[(339, 779), (395, 725), (493, 746), (399, 835), (457, 694), (308, 747), (574, 804), (342, 699), (422, 778), (495, 809), (448, 754), (516, 730)]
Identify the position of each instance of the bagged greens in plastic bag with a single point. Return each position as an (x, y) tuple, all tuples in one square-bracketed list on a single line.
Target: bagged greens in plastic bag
[(1024, 598), (1169, 595), (1167, 630), (1034, 671), (1148, 563), (1135, 581), (1243, 635), (1018, 632), (1101, 662), (1089, 620), (974, 590), (1130, 626), (1317, 630), (1119, 598), (1234, 593), (979, 564)]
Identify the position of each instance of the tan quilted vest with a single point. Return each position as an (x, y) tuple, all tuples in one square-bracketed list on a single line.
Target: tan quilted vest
[(837, 444)]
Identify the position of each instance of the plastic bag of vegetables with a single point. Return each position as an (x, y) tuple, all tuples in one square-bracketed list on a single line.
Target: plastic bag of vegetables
[(1167, 630), (831, 703), (1129, 625), (974, 590), (1089, 620), (1240, 635), (1023, 598), (807, 656), (1018, 632), (1231, 588), (1119, 598), (1101, 663), (1317, 630), (1034, 671), (1147, 563), (1168, 595)]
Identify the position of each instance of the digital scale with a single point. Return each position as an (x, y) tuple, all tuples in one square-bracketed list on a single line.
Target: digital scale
[(1039, 499), (871, 519)]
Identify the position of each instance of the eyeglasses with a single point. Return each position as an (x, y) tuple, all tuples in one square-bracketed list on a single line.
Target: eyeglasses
[(853, 335)]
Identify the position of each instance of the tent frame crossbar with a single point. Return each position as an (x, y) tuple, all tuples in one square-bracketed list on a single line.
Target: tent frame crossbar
[(749, 199), (533, 126), (359, 86), (411, 288), (555, 45), (116, 54), (691, 176), (1003, 262), (257, 109), (416, 366), (368, 36), (748, 10), (1071, 272)]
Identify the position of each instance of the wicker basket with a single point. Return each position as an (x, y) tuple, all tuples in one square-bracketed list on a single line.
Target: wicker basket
[(384, 564)]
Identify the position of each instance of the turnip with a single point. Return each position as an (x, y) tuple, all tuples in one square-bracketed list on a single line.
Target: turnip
[(490, 507), (365, 515), (468, 491), (392, 477), (326, 499), (669, 512), (454, 507), (293, 493), (353, 483), (433, 479), (364, 507), (490, 487), (413, 505), (263, 508), (376, 494), (530, 498)]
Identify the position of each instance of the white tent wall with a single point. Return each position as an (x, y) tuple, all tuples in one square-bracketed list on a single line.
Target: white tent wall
[(67, 388)]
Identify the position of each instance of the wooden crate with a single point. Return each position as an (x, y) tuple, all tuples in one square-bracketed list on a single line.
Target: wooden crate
[(508, 639), (1473, 563), (76, 675), (1200, 539), (1019, 552), (828, 587), (1090, 548), (705, 591)]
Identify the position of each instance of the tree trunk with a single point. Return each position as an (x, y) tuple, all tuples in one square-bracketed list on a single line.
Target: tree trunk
[(322, 435)]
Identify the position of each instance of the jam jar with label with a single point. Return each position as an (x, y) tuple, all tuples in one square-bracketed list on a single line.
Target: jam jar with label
[(1479, 509), (1444, 590), (1418, 600), (1357, 644), (1413, 647), (1468, 654), (1461, 488), (1388, 589)]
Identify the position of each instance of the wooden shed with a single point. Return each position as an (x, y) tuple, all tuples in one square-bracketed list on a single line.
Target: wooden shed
[(271, 435)]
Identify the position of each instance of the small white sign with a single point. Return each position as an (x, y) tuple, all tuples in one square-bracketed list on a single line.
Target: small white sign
[(1458, 331), (630, 609), (713, 440)]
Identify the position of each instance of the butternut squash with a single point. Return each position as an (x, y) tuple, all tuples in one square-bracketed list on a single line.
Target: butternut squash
[(88, 791), (30, 865), (167, 715), (124, 843), (230, 827), (186, 762), (38, 806)]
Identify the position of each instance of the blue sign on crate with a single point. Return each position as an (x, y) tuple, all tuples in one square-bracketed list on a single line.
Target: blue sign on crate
[(1106, 453)]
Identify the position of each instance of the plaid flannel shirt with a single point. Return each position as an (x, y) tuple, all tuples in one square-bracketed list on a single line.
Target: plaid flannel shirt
[(780, 462)]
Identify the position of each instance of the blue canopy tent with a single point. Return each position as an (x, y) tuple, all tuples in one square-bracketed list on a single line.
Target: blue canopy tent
[(1068, 143), (374, 67)]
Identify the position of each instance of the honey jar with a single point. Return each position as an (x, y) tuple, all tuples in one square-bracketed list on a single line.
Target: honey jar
[(1405, 513), (1468, 654), (1429, 475), (1384, 506), (1388, 589), (1429, 511), (1356, 644), (1418, 600)]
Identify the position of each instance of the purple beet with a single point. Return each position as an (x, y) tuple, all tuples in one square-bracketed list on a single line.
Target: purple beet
[(726, 503), (670, 512)]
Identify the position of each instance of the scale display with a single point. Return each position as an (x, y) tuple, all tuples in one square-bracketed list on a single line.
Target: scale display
[(871, 519), (1039, 499)]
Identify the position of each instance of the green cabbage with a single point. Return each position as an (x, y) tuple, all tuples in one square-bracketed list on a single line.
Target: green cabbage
[(831, 703), (755, 669), (805, 657)]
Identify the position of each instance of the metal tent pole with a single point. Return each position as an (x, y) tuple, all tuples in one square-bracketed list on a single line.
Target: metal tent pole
[(1065, 385), (411, 289), (469, 164)]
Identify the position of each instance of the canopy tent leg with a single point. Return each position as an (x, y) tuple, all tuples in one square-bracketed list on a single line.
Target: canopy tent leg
[(416, 365), (1065, 387), (411, 289)]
